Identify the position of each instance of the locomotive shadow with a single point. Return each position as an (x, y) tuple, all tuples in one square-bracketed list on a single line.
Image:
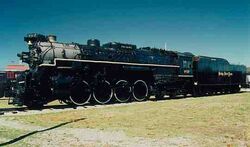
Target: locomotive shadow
[(13, 110), (178, 97), (65, 106), (218, 94), (166, 98), (62, 106), (88, 105), (39, 131)]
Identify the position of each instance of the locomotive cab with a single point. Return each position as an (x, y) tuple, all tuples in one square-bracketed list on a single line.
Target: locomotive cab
[(186, 64)]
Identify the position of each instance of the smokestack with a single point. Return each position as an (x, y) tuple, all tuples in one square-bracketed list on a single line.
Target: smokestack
[(52, 38)]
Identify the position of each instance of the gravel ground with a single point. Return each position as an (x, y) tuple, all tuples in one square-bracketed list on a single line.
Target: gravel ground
[(92, 137), (63, 136)]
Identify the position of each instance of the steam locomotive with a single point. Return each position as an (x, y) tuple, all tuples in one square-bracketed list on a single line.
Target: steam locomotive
[(78, 74)]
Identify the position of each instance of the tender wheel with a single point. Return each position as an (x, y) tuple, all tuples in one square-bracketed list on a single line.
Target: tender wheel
[(196, 91), (172, 95), (103, 92), (122, 91), (159, 96), (140, 90), (80, 93)]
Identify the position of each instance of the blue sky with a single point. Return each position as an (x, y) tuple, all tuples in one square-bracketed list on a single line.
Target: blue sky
[(217, 28)]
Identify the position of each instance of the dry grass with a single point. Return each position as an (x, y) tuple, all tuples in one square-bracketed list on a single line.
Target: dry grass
[(4, 103), (216, 120), (7, 134)]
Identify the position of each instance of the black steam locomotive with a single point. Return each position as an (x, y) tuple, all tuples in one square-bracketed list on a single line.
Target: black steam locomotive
[(93, 73)]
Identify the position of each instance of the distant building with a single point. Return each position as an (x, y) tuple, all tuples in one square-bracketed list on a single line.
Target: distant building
[(16, 67), (8, 78), (13, 69)]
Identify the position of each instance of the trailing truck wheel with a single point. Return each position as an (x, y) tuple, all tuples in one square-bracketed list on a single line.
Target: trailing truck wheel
[(122, 91), (196, 91), (159, 96), (103, 92), (172, 95), (140, 90), (80, 93)]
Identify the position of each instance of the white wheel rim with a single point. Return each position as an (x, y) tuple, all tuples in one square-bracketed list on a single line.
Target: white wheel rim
[(145, 84), (116, 94), (80, 104), (110, 96)]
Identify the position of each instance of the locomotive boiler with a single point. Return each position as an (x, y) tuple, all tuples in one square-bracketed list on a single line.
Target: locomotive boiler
[(116, 72)]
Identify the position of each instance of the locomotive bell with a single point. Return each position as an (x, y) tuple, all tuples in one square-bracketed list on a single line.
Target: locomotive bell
[(29, 42), (52, 38)]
